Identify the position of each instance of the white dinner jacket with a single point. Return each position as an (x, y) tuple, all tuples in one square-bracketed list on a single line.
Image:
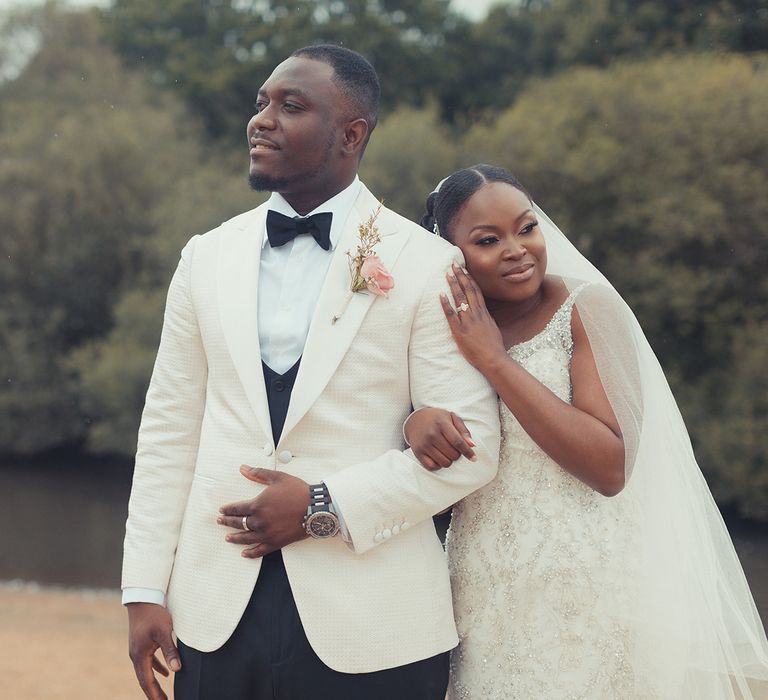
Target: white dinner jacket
[(386, 601)]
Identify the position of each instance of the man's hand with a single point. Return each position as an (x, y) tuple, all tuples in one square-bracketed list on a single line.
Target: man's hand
[(150, 629), (275, 517)]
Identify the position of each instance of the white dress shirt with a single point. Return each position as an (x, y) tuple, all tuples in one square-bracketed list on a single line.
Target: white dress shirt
[(290, 279)]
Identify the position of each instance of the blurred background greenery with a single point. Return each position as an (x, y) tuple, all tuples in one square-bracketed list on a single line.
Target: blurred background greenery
[(639, 125)]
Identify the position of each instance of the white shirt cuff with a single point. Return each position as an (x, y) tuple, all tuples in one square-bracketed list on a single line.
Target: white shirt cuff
[(343, 531), (143, 595)]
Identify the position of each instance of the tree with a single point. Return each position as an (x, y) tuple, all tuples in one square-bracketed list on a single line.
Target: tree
[(90, 153), (490, 62), (217, 53), (409, 153)]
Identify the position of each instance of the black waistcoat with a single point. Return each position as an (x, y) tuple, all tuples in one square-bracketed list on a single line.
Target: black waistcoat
[(279, 388)]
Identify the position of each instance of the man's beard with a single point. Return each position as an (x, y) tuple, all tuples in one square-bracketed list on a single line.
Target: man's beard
[(262, 182), (266, 183)]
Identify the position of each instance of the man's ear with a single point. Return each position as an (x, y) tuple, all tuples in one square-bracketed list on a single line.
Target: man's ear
[(355, 134)]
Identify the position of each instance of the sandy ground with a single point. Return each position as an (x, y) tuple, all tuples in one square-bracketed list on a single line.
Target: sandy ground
[(64, 646)]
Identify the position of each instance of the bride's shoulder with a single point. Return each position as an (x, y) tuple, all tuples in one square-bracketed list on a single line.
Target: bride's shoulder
[(586, 293)]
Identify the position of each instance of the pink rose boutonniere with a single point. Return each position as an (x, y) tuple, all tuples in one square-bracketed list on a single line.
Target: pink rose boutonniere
[(377, 279), (367, 270)]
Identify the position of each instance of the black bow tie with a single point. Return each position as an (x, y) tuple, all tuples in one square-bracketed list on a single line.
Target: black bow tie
[(281, 228)]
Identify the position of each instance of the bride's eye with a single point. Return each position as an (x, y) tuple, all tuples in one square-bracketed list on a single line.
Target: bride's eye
[(529, 228), (486, 240)]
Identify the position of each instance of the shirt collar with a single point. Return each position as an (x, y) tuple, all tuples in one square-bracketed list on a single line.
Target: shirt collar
[(340, 205)]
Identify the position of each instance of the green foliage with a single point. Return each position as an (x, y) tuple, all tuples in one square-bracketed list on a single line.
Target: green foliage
[(92, 158), (114, 372), (658, 172), (409, 153), (488, 63), (217, 53)]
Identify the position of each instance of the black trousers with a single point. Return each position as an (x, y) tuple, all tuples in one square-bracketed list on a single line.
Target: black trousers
[(268, 657)]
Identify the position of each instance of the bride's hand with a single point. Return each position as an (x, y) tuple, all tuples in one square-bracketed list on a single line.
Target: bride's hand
[(438, 438), (472, 326)]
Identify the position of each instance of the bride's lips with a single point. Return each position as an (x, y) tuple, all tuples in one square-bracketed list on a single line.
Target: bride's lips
[(521, 273)]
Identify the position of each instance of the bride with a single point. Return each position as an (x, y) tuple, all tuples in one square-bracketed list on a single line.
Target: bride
[(596, 565)]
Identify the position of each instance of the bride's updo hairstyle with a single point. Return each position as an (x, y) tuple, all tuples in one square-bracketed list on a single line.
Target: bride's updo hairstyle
[(450, 196)]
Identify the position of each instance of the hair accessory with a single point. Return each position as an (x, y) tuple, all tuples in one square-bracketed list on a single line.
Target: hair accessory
[(436, 229), (439, 185)]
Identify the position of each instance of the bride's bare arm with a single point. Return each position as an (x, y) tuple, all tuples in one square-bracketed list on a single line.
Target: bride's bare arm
[(583, 437)]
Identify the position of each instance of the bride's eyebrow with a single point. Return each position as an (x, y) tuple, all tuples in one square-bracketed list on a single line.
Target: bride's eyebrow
[(492, 227), (483, 227)]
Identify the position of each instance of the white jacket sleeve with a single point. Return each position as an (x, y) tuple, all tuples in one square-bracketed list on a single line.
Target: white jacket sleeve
[(168, 440), (395, 489)]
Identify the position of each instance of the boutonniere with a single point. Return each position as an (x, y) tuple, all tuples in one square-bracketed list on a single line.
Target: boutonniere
[(365, 267)]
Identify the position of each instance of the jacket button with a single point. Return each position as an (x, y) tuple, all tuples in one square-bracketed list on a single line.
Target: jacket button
[(268, 450), (285, 456), (405, 526), (278, 385), (386, 534), (396, 530), (378, 537)]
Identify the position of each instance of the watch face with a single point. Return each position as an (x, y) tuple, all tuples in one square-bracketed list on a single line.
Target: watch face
[(322, 524)]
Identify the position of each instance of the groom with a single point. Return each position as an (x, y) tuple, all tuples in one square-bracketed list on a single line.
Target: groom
[(315, 570)]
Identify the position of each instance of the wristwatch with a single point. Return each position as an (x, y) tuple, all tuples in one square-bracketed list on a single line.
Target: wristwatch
[(321, 520)]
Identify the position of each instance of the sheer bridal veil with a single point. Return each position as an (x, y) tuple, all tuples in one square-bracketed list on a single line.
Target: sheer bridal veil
[(694, 628)]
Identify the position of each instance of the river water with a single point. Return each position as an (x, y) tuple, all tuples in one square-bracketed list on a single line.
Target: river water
[(62, 520)]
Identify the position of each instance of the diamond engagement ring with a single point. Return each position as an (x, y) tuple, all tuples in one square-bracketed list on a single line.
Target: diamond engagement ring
[(245, 523), (462, 307)]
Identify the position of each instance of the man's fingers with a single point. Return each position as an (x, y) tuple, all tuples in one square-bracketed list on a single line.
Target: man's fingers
[(158, 666), (147, 680), (237, 509), (259, 475), (236, 522), (249, 538), (170, 653), (259, 550)]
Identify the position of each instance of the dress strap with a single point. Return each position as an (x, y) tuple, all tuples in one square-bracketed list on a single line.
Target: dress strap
[(560, 323)]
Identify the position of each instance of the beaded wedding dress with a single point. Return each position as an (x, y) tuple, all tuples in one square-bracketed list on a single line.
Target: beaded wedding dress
[(534, 558), (561, 593)]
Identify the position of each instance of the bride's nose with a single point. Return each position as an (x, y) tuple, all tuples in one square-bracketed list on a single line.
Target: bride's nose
[(514, 251)]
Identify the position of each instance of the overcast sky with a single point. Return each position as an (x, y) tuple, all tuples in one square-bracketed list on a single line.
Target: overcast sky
[(475, 9)]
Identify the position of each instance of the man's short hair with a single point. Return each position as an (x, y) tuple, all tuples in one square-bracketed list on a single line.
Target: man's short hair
[(353, 74)]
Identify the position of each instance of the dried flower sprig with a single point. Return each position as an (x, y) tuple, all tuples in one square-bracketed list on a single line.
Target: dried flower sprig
[(366, 269)]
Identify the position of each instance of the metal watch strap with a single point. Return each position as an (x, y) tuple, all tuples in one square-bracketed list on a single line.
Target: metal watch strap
[(319, 498)]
